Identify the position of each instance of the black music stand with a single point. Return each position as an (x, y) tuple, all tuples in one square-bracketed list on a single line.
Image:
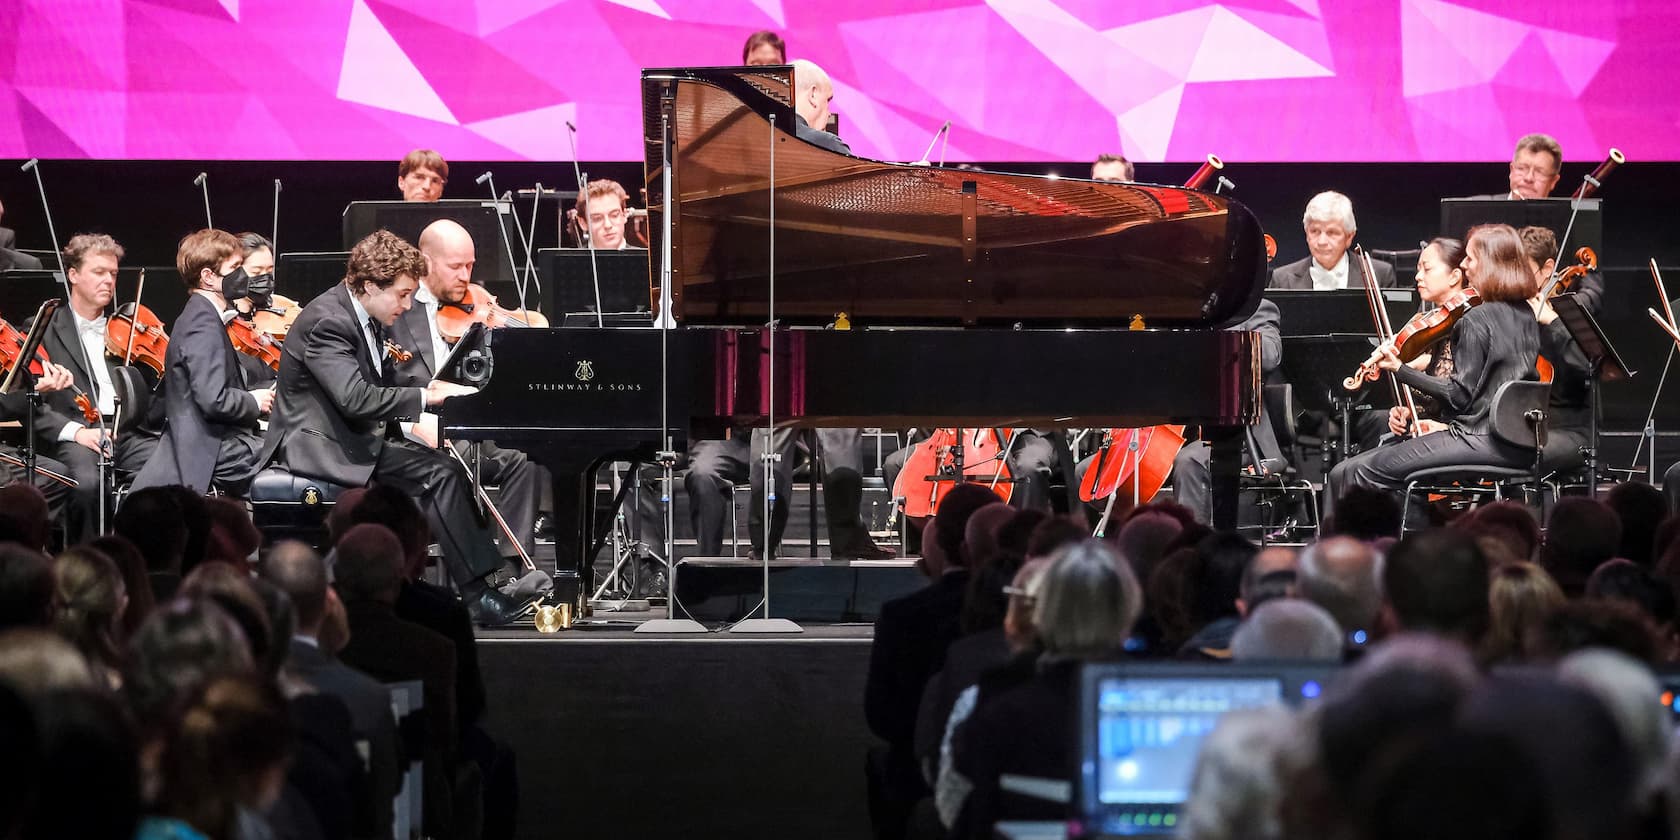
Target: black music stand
[(20, 379), (1458, 215), (307, 274), (488, 223), (567, 274), (1604, 362)]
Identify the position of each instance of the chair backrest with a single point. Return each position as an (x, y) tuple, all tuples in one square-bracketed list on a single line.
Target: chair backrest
[(1280, 409), (1512, 405)]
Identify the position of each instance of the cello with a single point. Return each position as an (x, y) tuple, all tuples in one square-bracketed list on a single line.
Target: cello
[(949, 457)]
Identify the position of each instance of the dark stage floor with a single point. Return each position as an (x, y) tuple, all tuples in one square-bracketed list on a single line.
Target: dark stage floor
[(709, 735)]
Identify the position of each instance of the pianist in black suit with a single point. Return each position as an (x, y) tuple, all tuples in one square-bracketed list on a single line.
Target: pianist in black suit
[(1330, 229), (210, 438), (449, 253), (335, 411), (76, 340)]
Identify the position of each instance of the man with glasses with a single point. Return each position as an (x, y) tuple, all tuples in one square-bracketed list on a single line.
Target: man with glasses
[(604, 207), (1535, 166)]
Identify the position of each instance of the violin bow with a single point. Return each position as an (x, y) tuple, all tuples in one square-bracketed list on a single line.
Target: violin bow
[(1665, 320), (134, 320), (1385, 334)]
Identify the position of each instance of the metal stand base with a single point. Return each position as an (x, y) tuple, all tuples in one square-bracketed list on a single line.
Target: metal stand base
[(765, 625), (670, 625), (617, 605)]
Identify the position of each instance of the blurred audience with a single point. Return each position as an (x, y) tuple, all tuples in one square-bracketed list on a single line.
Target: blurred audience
[(1581, 534)]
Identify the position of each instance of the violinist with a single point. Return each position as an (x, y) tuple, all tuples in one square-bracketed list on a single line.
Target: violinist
[(421, 175), (1439, 276), (259, 267), (1494, 343), (54, 377), (449, 255), (336, 397), (1569, 412), (210, 438), (605, 206), (1330, 227), (76, 340)]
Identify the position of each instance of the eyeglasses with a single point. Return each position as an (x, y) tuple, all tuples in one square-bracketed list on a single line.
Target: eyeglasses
[(1526, 170), (1018, 592), (613, 215)]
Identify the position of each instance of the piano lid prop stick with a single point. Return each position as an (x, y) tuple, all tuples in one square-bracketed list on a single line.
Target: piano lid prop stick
[(530, 243), (203, 184), (583, 225), (1672, 331), (34, 165)]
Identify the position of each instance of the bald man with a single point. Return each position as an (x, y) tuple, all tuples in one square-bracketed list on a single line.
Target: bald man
[(450, 257), (812, 91)]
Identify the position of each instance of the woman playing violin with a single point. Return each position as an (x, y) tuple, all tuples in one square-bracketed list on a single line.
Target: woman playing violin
[(211, 438), (1439, 275), (1494, 343), (76, 340)]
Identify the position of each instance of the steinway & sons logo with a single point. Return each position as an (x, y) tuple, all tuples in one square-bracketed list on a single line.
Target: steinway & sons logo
[(584, 380)]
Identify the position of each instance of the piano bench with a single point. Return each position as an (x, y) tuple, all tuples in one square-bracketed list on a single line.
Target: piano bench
[(286, 506)]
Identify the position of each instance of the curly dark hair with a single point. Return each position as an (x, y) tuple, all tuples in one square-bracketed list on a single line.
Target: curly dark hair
[(380, 258)]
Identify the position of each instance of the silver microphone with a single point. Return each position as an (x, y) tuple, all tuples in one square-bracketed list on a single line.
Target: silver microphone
[(482, 178), (199, 181), (30, 164)]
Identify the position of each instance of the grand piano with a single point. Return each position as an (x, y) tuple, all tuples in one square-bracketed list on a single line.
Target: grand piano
[(972, 299)]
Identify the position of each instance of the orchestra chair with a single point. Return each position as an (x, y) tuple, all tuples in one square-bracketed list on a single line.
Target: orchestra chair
[(1273, 483), (285, 505), (1519, 419)]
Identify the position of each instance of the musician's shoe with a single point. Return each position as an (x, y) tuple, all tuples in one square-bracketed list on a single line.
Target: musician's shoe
[(490, 608), (544, 526), (864, 549), (650, 579)]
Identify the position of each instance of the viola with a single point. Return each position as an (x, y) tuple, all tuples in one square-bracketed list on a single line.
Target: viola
[(135, 334), (275, 320), (478, 306), (1422, 332), (253, 342), (11, 347), (951, 456), (1126, 474), (1585, 261)]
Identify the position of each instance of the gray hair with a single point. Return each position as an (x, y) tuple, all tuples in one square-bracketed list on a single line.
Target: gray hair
[(1330, 206), (1087, 601), (1288, 628), (1240, 776), (1344, 576), (1629, 692)]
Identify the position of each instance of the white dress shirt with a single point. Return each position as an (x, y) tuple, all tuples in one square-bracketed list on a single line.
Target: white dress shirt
[(92, 335), (424, 297), (1324, 280)]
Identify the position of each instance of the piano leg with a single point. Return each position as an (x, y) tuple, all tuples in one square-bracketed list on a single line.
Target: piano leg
[(574, 531), (1224, 468)]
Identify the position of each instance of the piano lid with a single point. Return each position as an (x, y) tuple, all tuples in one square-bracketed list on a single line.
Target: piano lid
[(896, 244)]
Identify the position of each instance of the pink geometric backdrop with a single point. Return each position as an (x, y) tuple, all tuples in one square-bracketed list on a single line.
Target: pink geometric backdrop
[(1251, 80)]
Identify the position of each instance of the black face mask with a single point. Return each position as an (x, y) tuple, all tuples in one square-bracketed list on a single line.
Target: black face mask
[(236, 284), (260, 290)]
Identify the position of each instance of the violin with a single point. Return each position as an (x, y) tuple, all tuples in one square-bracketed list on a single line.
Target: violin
[(253, 342), (950, 456), (275, 319), (1419, 334), (478, 306), (11, 346), (135, 334), (1585, 261)]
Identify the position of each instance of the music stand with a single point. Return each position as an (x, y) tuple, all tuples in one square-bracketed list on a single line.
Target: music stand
[(1459, 215), (20, 379), (483, 219), (307, 274), (1605, 365)]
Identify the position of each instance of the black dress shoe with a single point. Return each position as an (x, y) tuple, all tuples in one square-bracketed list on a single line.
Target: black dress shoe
[(491, 608), (865, 549)]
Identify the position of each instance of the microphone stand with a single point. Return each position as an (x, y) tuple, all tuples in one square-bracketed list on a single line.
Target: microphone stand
[(34, 165), (507, 245), (274, 231), (583, 196), (203, 184)]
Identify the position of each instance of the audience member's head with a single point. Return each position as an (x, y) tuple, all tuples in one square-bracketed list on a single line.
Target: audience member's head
[(180, 647), (1143, 540), (1273, 574), (1216, 577), (954, 510), (35, 662), (1087, 602), (1622, 580), (338, 519), (383, 504), (1597, 623), (91, 600), (1170, 593), (1238, 784), (227, 752), (26, 507), (1521, 596), (88, 749), (297, 570), (1365, 513), (153, 521), (1185, 516), (1451, 785), (231, 589), (26, 587), (281, 619), (234, 538), (1641, 509), (1024, 590), (1625, 688), (1589, 777), (980, 534), (1436, 581), (195, 511), (1053, 534), (1581, 534), (1016, 534), (369, 559), (984, 601), (132, 566), (1288, 628), (1667, 534), (1509, 523), (1344, 576)]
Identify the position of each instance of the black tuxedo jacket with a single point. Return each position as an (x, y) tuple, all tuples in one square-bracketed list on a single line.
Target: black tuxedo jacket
[(415, 335), (911, 637), (1297, 276), (59, 407), (330, 406), (205, 401)]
